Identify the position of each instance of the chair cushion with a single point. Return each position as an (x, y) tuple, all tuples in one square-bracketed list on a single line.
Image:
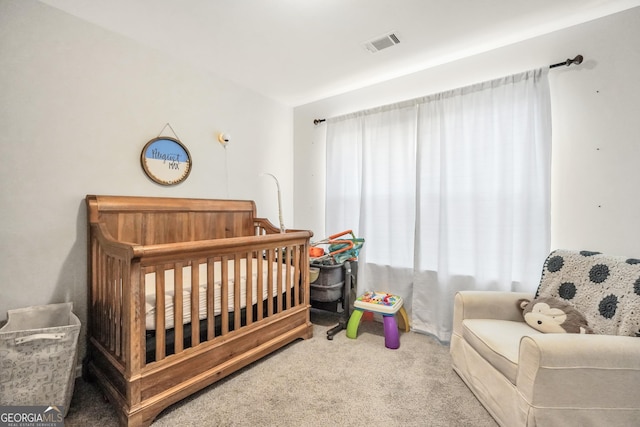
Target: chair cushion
[(497, 341), (604, 288)]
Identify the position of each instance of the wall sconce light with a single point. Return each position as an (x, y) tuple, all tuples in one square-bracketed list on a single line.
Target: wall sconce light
[(224, 139)]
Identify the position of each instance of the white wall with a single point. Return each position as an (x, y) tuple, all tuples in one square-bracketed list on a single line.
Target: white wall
[(77, 105), (596, 128)]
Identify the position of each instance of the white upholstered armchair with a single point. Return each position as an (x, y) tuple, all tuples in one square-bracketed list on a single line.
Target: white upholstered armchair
[(524, 377)]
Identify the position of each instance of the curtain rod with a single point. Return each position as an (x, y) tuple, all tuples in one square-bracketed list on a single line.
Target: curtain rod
[(577, 60)]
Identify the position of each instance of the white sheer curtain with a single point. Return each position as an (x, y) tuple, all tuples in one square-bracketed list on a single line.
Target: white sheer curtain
[(450, 192)]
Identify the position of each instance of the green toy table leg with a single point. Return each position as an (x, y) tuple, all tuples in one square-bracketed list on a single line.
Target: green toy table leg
[(354, 322)]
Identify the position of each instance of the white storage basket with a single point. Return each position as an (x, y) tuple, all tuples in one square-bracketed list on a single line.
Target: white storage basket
[(38, 351)]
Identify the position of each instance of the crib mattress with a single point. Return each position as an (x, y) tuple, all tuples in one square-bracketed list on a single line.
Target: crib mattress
[(169, 275)]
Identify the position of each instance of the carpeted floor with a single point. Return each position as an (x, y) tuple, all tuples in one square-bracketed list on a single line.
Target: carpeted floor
[(318, 382)]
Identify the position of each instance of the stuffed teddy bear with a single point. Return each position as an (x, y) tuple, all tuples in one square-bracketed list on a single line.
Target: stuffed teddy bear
[(548, 314)]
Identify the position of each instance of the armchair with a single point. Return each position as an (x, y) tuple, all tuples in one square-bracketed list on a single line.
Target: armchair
[(524, 377)]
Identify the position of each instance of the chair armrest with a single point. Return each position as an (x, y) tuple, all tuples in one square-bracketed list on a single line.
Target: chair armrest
[(486, 305), (579, 371)]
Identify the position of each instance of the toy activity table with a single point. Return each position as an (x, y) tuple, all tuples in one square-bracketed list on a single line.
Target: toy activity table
[(387, 305)]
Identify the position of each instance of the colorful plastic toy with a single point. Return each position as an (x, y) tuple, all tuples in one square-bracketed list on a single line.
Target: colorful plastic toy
[(387, 305)]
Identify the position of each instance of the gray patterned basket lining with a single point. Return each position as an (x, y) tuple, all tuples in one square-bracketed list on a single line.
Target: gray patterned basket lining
[(38, 352)]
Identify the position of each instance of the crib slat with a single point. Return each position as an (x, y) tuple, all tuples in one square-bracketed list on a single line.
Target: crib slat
[(287, 276), (297, 276), (224, 295), (237, 307), (249, 289), (195, 304), (270, 259), (280, 263), (211, 330), (108, 307), (96, 261), (133, 318), (111, 302), (118, 308), (160, 314), (178, 311), (260, 286), (100, 305)]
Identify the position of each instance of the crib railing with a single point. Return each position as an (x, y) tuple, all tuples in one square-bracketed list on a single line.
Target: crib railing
[(118, 321), (110, 296)]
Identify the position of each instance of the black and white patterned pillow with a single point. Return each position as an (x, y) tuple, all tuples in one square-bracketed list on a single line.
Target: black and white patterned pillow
[(605, 288)]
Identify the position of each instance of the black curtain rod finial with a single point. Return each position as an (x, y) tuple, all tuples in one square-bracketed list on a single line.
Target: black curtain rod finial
[(577, 60)]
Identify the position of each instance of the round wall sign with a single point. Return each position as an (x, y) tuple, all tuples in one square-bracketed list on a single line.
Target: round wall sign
[(166, 161)]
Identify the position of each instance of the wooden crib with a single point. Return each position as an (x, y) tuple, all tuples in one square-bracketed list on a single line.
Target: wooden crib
[(167, 316)]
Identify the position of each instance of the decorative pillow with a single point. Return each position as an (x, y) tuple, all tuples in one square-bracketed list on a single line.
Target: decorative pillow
[(553, 315), (604, 288)]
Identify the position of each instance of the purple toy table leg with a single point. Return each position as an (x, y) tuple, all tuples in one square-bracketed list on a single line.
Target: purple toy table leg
[(391, 337)]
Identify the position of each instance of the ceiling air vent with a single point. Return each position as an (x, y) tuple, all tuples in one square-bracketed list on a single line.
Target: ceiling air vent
[(383, 42)]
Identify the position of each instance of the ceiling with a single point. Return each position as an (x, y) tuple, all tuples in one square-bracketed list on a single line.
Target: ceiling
[(299, 51)]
